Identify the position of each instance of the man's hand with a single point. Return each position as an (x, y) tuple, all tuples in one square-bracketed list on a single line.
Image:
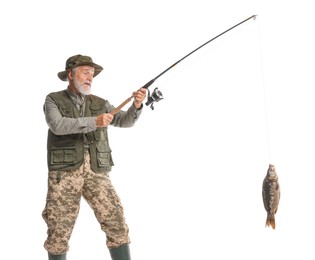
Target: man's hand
[(104, 120), (139, 96)]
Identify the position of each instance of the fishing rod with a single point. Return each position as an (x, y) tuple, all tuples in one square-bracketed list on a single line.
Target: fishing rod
[(156, 94)]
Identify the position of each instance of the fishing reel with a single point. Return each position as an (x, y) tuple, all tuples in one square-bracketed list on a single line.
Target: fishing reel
[(155, 97)]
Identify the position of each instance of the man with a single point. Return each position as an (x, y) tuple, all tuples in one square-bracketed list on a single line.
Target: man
[(79, 159)]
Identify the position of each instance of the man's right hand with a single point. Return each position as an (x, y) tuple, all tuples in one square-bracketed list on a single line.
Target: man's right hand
[(104, 120)]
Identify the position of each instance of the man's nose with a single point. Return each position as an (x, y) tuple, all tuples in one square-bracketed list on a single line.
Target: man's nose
[(90, 77)]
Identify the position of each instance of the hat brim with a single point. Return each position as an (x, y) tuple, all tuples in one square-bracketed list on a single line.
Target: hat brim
[(63, 75)]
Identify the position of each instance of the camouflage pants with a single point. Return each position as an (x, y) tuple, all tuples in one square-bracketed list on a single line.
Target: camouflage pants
[(65, 189)]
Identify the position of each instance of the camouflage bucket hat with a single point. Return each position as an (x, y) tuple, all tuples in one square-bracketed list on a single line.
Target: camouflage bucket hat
[(76, 61)]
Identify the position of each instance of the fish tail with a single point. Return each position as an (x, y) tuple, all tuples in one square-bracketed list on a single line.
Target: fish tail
[(271, 221)]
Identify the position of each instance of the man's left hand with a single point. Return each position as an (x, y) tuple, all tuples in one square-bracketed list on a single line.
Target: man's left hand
[(139, 96)]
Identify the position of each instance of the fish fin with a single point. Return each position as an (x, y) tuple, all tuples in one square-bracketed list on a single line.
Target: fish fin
[(271, 221)]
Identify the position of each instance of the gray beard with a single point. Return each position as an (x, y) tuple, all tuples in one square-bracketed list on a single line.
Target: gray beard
[(81, 89)]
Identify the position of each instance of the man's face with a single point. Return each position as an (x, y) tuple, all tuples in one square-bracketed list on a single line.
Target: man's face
[(82, 77)]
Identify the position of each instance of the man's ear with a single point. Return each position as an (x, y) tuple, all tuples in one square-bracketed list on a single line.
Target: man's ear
[(70, 75)]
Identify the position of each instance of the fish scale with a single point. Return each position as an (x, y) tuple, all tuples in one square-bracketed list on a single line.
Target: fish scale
[(271, 195)]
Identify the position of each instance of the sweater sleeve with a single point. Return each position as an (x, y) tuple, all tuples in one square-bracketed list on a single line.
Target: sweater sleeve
[(60, 125), (125, 118)]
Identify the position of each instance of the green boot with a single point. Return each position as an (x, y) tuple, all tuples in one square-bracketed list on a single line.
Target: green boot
[(120, 253), (57, 257)]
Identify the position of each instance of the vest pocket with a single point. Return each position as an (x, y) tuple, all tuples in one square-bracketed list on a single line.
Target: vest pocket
[(104, 157), (96, 109), (63, 155)]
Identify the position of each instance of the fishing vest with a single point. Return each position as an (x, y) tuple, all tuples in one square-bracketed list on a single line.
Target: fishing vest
[(66, 152)]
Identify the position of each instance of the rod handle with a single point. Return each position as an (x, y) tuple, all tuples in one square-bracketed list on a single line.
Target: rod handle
[(117, 109)]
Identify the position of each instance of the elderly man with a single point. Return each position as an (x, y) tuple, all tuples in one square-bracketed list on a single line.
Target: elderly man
[(79, 159)]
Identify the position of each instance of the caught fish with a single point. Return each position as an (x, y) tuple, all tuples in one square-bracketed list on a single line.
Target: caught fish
[(271, 195)]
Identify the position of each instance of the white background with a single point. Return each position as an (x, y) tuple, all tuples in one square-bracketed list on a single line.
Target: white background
[(190, 172)]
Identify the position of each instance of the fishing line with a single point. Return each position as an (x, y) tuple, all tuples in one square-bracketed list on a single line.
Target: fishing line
[(156, 94), (267, 123)]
